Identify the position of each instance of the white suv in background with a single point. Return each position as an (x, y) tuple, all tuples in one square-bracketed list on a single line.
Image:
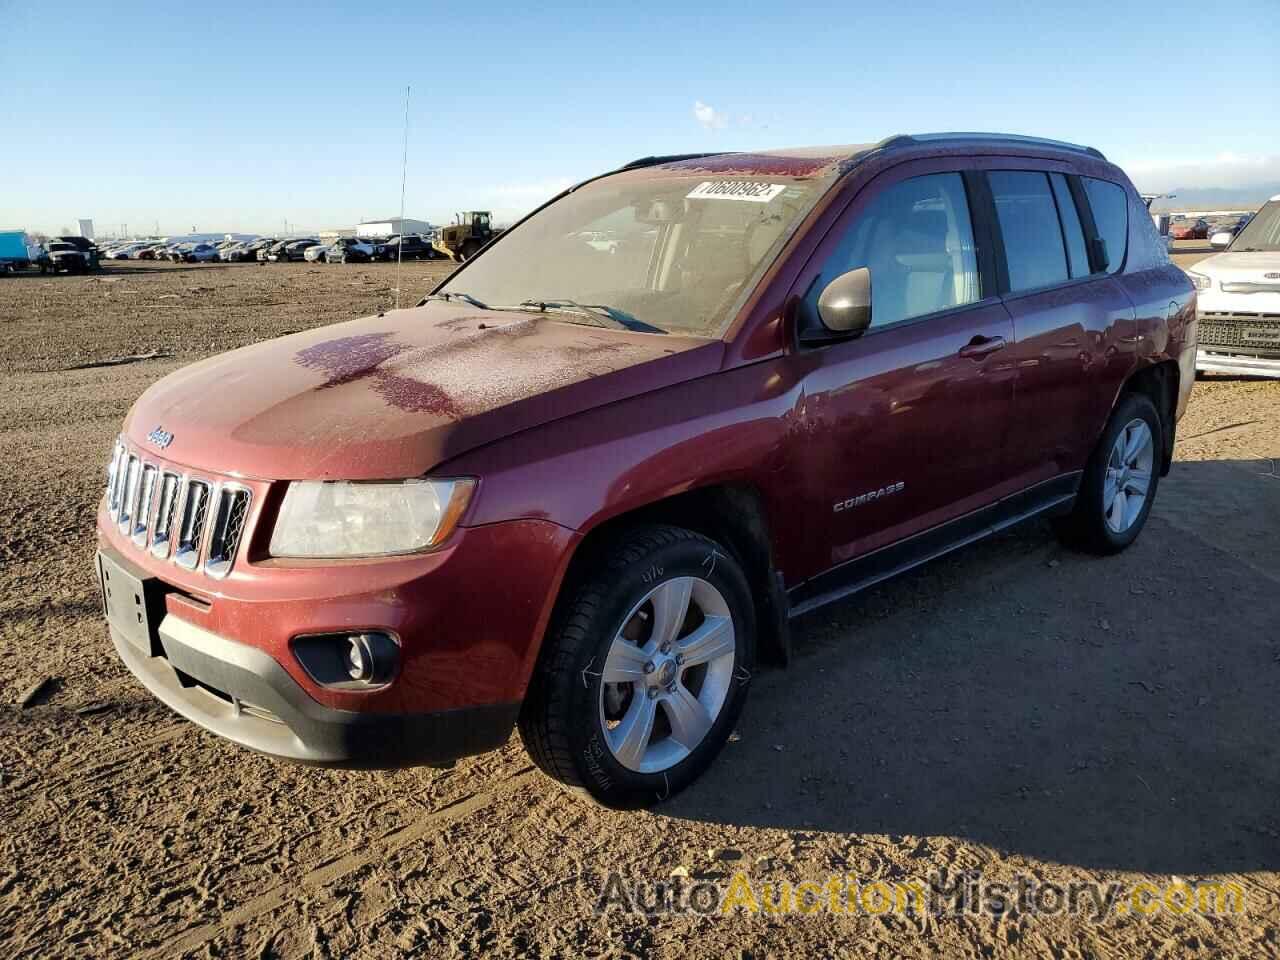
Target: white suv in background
[(1239, 300)]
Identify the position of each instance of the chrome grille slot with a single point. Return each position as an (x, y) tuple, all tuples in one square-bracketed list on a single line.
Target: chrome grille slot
[(115, 478), (166, 505), (198, 523), (227, 527), (146, 497), (195, 509), (129, 499)]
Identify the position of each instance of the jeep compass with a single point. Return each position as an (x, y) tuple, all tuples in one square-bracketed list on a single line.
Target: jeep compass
[(584, 485)]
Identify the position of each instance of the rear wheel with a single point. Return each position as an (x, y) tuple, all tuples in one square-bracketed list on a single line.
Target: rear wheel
[(1119, 482), (644, 670)]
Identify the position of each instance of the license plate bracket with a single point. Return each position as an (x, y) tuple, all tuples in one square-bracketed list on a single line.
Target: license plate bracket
[(133, 605)]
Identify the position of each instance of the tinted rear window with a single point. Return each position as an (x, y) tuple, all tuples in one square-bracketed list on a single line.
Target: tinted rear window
[(1072, 232), (1029, 224), (1111, 214)]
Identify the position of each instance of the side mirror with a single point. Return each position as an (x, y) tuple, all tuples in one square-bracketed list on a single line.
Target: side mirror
[(844, 306), (1221, 239)]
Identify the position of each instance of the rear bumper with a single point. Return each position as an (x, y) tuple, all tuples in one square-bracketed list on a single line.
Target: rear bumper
[(241, 693), (1210, 362)]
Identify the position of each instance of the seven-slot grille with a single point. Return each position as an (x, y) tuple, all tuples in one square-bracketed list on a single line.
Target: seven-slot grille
[(1234, 332), (189, 519)]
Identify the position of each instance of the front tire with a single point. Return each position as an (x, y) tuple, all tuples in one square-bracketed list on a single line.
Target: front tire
[(645, 668), (1120, 480)]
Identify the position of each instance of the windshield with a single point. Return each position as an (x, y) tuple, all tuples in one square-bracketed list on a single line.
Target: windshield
[(1262, 232), (673, 251)]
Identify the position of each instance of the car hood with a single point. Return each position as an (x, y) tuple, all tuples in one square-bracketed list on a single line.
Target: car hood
[(397, 394), (1250, 267)]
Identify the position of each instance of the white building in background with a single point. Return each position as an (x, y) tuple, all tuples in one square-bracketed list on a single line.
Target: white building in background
[(391, 226)]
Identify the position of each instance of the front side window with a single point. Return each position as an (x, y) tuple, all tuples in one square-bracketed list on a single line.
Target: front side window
[(662, 250), (1028, 218), (1110, 209), (916, 239)]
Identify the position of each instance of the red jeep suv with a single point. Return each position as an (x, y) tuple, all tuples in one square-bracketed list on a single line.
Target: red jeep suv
[(583, 485)]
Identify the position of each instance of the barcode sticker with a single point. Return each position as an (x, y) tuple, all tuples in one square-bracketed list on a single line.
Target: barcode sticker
[(748, 190)]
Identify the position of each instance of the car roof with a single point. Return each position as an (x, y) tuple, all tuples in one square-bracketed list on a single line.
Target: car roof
[(821, 161)]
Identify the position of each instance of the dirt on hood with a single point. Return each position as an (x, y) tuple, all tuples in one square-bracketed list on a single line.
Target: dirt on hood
[(396, 394)]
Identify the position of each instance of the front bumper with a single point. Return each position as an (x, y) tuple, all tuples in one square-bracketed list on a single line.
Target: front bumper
[(242, 693), (1242, 366)]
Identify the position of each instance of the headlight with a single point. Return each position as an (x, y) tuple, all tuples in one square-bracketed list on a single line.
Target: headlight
[(342, 519), (1200, 280)]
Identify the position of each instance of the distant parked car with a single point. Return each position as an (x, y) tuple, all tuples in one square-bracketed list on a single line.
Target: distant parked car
[(1224, 233), (316, 253), (1197, 229), (146, 253), (347, 250), (291, 250), (200, 253), (411, 246), (66, 257), (273, 251), (123, 252)]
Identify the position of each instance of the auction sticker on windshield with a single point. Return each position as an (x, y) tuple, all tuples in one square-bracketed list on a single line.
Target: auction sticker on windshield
[(736, 190)]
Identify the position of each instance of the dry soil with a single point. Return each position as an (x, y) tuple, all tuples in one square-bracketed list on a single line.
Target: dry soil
[(1012, 709)]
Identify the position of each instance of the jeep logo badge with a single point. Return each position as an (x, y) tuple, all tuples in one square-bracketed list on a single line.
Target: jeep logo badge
[(160, 437)]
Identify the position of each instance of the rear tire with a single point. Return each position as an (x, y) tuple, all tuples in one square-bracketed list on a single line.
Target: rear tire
[(644, 670), (1120, 481)]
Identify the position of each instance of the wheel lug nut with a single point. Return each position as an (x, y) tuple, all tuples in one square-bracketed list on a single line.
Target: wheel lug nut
[(653, 693), (649, 667)]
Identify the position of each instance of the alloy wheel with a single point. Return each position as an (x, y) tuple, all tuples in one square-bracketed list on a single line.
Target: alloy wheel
[(667, 674), (1128, 478)]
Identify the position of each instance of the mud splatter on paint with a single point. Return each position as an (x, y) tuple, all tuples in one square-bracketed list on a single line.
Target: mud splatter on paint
[(347, 359), (414, 396)]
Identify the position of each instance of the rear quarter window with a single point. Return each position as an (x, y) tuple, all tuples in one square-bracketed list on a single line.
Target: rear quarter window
[(1110, 206)]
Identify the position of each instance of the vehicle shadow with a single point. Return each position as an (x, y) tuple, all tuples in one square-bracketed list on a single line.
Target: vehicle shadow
[(1112, 713)]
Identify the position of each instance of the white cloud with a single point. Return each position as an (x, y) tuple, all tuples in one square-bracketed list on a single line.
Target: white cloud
[(1226, 170), (709, 116)]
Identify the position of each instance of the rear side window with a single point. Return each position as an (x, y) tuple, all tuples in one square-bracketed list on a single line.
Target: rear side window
[(1028, 220), (1111, 215), (917, 239), (1072, 232)]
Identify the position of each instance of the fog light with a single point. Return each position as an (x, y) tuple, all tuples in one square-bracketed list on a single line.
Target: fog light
[(349, 661), (359, 659)]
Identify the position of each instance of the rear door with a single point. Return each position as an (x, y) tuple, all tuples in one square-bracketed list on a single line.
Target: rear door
[(1070, 319), (906, 424)]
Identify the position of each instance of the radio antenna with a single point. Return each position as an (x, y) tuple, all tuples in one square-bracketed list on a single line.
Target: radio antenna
[(404, 166)]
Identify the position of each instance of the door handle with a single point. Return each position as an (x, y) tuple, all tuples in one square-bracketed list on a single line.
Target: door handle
[(980, 346)]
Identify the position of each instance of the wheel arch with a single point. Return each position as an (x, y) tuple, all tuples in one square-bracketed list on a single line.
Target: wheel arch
[(733, 515), (1160, 383)]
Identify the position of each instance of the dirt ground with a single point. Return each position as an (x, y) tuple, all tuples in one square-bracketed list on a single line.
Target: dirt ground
[(1012, 709)]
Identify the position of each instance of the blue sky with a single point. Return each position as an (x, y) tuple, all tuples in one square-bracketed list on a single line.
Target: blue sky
[(237, 116)]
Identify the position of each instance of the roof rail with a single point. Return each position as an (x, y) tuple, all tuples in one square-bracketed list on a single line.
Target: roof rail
[(1010, 137), (669, 158)]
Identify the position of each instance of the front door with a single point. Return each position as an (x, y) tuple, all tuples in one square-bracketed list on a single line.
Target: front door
[(905, 426)]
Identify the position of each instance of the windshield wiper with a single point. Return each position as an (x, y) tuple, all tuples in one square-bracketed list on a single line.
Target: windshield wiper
[(454, 295), (596, 311)]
